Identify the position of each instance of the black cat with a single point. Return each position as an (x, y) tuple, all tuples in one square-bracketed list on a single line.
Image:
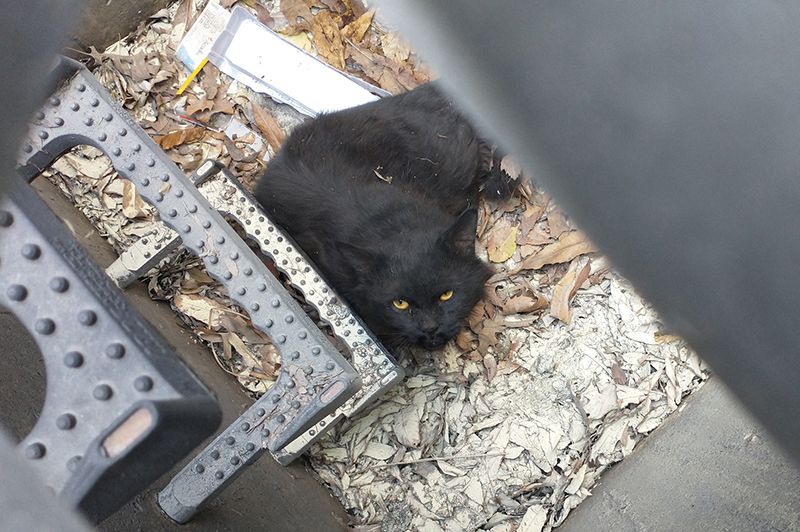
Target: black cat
[(383, 199)]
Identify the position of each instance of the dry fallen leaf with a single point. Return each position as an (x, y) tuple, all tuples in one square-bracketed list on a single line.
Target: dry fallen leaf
[(557, 223), (179, 137), (406, 423), (302, 40), (506, 367), (200, 308), (487, 336), (394, 48), (666, 338), (298, 14), (210, 81), (617, 374), (490, 363), (268, 126), (530, 218), (464, 340), (569, 246), (328, 40), (502, 242), (245, 352), (523, 304), (565, 289), (198, 105), (358, 28), (132, 204), (263, 15), (379, 451)]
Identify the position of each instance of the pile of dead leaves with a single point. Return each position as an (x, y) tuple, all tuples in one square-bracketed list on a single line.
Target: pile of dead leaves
[(541, 262)]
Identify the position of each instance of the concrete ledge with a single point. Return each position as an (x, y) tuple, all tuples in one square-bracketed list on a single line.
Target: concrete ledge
[(710, 468), (104, 22)]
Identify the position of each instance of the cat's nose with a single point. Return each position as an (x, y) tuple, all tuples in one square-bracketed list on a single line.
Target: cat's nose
[(428, 328), (428, 325)]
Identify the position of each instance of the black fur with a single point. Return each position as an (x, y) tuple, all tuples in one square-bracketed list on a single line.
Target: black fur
[(377, 241)]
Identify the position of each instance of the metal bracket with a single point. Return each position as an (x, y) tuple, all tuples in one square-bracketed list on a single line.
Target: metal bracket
[(315, 379), (378, 370), (118, 403)]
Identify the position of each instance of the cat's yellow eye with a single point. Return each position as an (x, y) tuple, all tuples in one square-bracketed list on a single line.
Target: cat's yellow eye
[(400, 304), (446, 295)]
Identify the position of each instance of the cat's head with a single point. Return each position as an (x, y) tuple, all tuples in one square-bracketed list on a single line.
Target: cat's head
[(422, 293)]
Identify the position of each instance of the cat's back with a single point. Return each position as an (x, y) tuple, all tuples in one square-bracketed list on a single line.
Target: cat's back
[(405, 162), (417, 141)]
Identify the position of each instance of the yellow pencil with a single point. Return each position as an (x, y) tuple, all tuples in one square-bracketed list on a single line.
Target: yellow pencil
[(193, 75)]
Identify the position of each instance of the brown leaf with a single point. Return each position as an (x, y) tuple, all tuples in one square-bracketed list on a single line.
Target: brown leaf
[(183, 15), (506, 367), (565, 289), (490, 364), (557, 223), (263, 15), (502, 241), (389, 82), (530, 218), (356, 6), (210, 81), (141, 68), (370, 63), (475, 318), (269, 127), (180, 136), (569, 246), (600, 269), (222, 104), (328, 40), (298, 14), (198, 105), (520, 323), (233, 150), (356, 30), (487, 336), (336, 6), (662, 337), (537, 237), (464, 340), (523, 304), (195, 279), (227, 3), (490, 292)]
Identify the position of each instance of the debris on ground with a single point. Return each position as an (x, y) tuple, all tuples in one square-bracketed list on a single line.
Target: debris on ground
[(562, 370)]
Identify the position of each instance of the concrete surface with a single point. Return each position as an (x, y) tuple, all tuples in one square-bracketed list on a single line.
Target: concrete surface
[(710, 468), (104, 22), (266, 497)]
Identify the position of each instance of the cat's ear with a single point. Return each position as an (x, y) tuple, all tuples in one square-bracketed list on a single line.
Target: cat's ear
[(461, 234)]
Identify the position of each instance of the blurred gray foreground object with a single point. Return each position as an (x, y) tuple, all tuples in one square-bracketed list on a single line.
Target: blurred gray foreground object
[(670, 131), (25, 502), (25, 61)]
